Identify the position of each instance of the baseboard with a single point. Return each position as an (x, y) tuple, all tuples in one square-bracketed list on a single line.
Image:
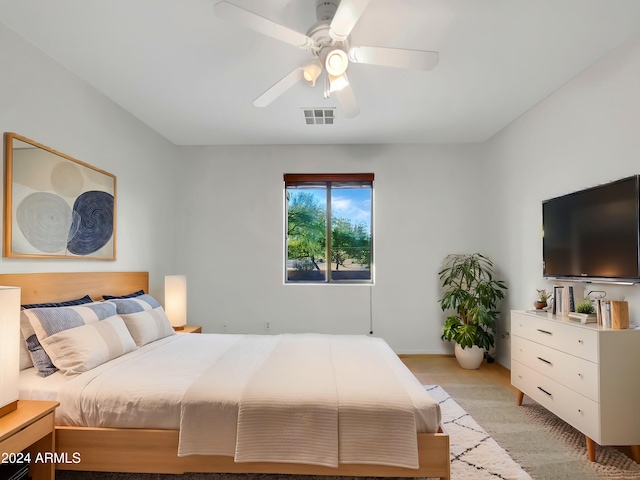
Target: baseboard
[(424, 355)]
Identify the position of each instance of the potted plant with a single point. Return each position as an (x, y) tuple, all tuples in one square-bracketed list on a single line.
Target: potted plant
[(472, 294), (543, 296), (585, 306), (585, 311)]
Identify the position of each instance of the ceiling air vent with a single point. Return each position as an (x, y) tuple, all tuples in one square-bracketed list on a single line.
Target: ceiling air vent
[(319, 116)]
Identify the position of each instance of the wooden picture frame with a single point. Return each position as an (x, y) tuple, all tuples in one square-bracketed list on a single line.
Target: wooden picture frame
[(56, 206)]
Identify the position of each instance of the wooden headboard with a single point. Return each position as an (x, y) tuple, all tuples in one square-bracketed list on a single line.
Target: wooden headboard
[(57, 287)]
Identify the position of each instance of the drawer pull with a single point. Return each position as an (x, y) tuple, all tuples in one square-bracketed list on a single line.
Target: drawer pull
[(544, 391), (580, 342), (546, 332), (545, 361)]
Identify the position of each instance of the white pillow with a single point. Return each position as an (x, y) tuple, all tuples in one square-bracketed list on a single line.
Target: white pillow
[(82, 337), (144, 317), (148, 326)]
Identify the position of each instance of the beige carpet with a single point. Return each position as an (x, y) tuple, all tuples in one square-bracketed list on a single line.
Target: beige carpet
[(545, 446)]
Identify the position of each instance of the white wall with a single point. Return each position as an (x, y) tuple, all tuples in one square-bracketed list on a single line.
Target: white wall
[(584, 134), (43, 101), (231, 226)]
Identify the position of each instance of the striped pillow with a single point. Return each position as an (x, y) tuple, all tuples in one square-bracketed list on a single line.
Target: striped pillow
[(82, 337), (144, 317), (39, 358)]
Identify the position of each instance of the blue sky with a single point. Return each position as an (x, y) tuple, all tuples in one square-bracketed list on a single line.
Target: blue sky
[(351, 203)]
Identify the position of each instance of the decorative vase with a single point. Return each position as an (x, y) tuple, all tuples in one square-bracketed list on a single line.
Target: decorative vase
[(540, 305), (469, 358)]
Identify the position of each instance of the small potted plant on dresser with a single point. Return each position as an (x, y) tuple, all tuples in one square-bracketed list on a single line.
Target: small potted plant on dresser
[(585, 311), (543, 296), (472, 294)]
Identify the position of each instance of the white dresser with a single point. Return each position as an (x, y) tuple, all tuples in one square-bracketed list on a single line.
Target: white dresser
[(587, 375)]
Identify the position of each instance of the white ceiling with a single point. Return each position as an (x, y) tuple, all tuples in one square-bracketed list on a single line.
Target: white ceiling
[(192, 77)]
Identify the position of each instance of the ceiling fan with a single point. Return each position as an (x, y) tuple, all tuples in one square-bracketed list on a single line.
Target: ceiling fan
[(328, 43)]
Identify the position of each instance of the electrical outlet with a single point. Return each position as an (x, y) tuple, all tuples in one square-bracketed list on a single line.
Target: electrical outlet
[(225, 328), (267, 326)]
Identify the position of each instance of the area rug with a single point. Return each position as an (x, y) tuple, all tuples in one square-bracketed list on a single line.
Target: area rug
[(544, 445), (474, 455)]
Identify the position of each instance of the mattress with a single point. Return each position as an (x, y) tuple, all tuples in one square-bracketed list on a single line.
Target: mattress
[(153, 386), (35, 387)]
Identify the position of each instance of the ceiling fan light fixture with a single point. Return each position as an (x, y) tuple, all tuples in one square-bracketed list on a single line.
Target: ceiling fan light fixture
[(310, 73), (336, 62)]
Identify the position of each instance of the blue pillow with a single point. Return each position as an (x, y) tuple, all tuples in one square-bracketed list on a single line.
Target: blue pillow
[(131, 295), (68, 303)]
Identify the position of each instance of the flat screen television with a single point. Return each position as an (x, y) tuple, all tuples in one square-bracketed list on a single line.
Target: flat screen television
[(594, 234)]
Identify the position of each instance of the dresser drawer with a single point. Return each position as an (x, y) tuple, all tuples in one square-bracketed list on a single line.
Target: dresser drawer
[(573, 372), (580, 412), (573, 339)]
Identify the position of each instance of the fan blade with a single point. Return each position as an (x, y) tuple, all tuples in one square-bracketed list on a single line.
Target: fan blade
[(345, 19), (255, 22), (394, 57), (279, 88), (347, 101)]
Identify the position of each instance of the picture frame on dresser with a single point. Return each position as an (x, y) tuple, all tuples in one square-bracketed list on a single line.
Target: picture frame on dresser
[(583, 373)]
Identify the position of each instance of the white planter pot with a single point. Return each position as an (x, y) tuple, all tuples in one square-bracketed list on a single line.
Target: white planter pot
[(469, 358)]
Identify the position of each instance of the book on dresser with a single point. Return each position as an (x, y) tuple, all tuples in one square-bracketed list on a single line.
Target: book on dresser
[(612, 314), (584, 317), (558, 297)]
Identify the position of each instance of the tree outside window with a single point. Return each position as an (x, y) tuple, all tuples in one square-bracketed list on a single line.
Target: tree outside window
[(329, 228)]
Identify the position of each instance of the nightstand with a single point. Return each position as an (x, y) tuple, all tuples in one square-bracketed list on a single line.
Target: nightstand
[(189, 329), (27, 433)]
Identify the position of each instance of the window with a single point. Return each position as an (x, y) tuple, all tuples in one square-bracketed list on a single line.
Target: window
[(328, 231)]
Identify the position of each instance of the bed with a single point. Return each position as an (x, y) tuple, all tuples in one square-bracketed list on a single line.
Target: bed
[(110, 445)]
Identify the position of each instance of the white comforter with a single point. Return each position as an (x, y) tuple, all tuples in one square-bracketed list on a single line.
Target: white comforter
[(309, 398)]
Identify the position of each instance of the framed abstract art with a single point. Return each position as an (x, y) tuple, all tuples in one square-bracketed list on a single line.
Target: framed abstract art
[(56, 206)]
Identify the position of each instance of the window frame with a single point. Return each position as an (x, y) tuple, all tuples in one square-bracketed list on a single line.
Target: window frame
[(315, 179)]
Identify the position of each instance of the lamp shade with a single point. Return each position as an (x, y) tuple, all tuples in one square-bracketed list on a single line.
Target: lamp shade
[(9, 348), (310, 72), (175, 299)]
